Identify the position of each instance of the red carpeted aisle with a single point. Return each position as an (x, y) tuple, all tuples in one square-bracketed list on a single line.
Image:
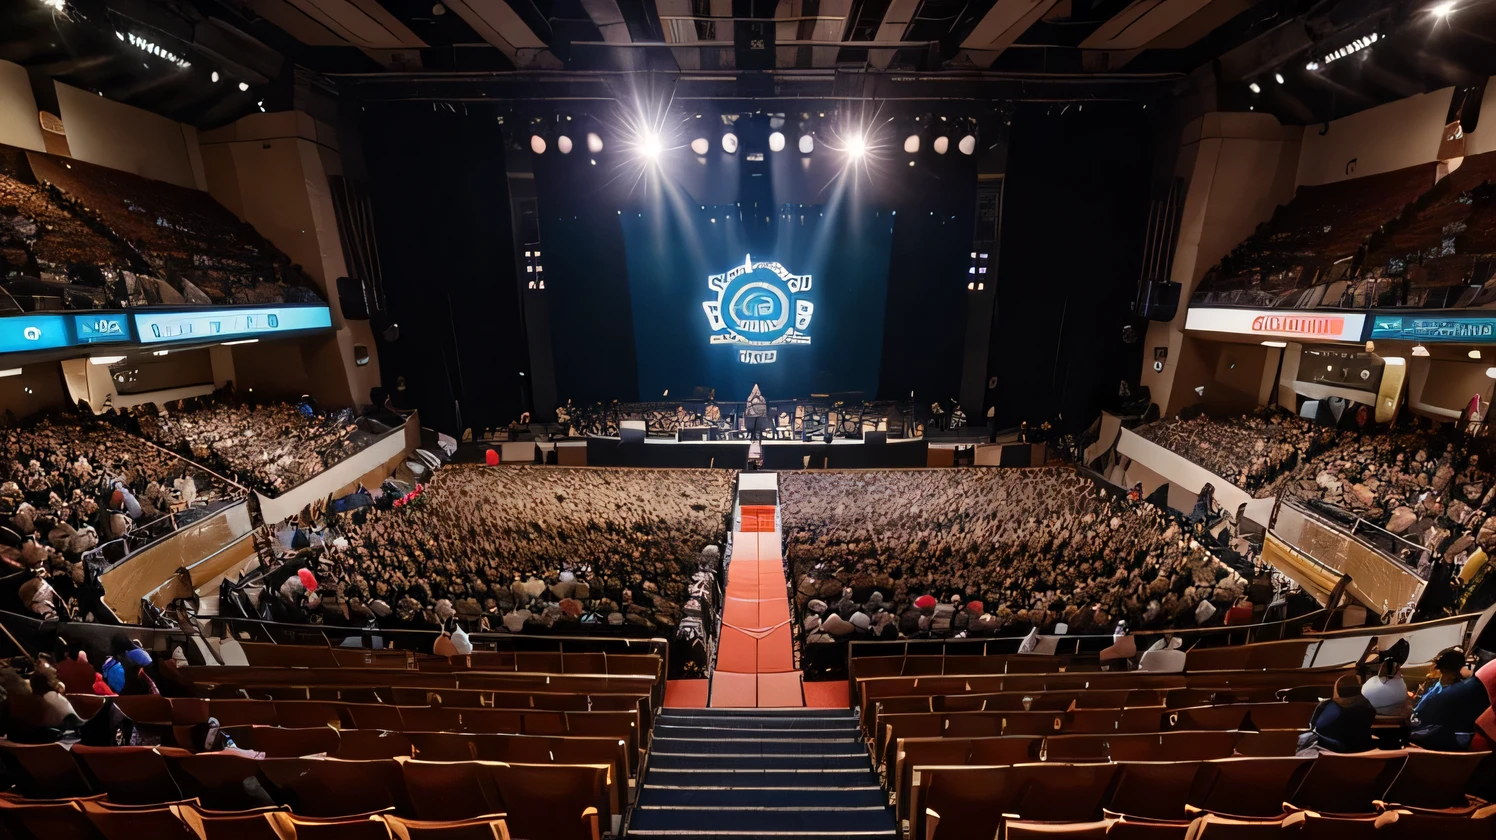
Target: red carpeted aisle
[(755, 656)]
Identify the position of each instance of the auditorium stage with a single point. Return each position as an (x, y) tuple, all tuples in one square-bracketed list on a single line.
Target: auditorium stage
[(840, 453)]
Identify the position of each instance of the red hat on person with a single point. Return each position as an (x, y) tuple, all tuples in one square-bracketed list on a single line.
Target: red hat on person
[(976, 607), (491, 457), (307, 579), (925, 602)]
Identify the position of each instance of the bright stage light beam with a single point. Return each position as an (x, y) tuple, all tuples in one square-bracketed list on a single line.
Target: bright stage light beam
[(968, 144), (911, 144), (537, 144), (701, 146), (776, 141), (650, 145), (730, 143), (563, 144), (807, 144), (594, 142), (941, 145), (856, 146)]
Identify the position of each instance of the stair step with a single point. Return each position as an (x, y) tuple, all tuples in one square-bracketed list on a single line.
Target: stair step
[(864, 797), (764, 746), (763, 820), (735, 763), (756, 722), (751, 834), (790, 778), (672, 731)]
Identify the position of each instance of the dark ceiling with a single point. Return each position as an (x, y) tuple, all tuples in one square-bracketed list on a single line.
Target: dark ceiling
[(876, 50)]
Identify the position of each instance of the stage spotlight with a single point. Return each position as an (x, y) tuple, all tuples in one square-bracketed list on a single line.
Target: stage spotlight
[(1443, 9), (776, 141), (857, 146), (1312, 66), (594, 142), (243, 86), (537, 144), (650, 146), (701, 145), (214, 76), (911, 143), (1254, 87), (941, 145), (807, 144), (563, 144), (1278, 77), (730, 143), (968, 144)]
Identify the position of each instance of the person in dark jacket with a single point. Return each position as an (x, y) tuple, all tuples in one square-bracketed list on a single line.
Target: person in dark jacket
[(1444, 718), (1342, 724)]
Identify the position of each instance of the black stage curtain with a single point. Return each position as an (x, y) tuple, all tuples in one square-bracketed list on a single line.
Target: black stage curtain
[(441, 208), (1074, 215), (925, 332)]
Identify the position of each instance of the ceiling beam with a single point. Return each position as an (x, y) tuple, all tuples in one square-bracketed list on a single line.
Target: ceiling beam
[(498, 24)]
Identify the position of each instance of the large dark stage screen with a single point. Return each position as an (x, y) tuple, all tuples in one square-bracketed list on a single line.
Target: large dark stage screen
[(790, 298)]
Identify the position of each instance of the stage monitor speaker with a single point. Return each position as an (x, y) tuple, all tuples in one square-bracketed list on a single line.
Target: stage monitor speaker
[(694, 433), (631, 431), (1162, 301), (875, 437), (352, 301)]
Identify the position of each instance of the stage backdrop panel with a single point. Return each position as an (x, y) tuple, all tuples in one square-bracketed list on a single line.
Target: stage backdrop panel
[(811, 277)]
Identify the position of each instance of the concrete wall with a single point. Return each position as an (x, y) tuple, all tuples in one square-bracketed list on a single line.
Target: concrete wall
[(1381, 139), (119, 136), (1239, 168), (272, 171), (19, 123)]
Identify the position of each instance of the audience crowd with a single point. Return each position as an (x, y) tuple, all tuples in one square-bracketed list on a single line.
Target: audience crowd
[(982, 552), (527, 546), (71, 485), (271, 447), (1432, 487)]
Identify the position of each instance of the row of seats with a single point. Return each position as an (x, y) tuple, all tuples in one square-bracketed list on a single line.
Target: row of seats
[(994, 750), (1149, 719), (950, 803), (1303, 825), (96, 818), (540, 800), (265, 655), (177, 721)]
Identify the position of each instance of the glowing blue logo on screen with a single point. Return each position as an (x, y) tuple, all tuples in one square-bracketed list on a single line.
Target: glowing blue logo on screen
[(759, 305)]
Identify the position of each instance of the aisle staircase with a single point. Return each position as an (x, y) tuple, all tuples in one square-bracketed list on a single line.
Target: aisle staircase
[(759, 773)]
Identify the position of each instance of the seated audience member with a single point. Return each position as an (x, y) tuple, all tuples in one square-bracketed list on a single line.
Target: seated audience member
[(113, 669), (1444, 718), (76, 673), (1341, 724), (57, 711), (1385, 690), (137, 681)]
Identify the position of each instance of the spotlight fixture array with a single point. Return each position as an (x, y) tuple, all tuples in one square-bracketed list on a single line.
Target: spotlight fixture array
[(158, 51), (1352, 48), (547, 132)]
